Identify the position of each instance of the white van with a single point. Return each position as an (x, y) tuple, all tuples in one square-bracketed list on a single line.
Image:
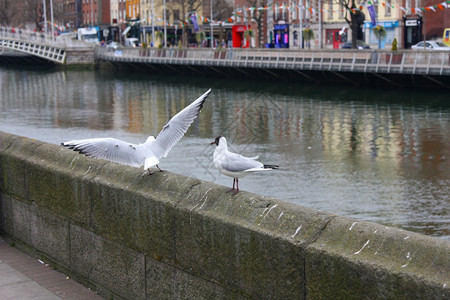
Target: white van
[(89, 35), (131, 42)]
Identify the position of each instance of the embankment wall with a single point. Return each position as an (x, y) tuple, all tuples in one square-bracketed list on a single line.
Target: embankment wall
[(167, 236)]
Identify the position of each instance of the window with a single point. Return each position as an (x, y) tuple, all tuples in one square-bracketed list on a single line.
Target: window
[(283, 11), (277, 6), (308, 12), (176, 14), (167, 20), (408, 6), (330, 9), (294, 11), (341, 11), (388, 8), (244, 11)]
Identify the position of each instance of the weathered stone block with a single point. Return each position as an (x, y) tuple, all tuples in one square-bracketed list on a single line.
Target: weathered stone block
[(137, 211), (354, 259), (117, 268), (21, 216), (245, 241), (173, 283), (57, 180), (6, 224), (40, 229), (15, 156), (50, 234)]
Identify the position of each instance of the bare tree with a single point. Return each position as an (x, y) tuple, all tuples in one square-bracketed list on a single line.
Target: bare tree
[(354, 18), (7, 12), (257, 17), (184, 8), (31, 12), (222, 10)]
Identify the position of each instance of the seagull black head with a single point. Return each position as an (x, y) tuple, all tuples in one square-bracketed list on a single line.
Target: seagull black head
[(216, 141)]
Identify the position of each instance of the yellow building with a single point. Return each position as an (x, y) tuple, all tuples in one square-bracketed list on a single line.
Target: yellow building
[(132, 9), (176, 13)]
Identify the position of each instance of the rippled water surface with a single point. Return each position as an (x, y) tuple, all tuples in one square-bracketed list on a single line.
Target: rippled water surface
[(377, 155)]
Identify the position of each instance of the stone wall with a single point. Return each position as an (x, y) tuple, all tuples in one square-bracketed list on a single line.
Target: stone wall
[(80, 56), (167, 236)]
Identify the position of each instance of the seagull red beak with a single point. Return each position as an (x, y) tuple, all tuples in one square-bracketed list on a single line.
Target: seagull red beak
[(212, 143)]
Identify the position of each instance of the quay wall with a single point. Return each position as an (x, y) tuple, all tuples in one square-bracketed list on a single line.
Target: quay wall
[(80, 56), (167, 236)]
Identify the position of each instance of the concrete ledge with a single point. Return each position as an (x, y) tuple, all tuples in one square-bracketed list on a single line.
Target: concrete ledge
[(168, 236)]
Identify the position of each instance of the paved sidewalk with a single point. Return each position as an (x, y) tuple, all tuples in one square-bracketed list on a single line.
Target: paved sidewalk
[(24, 277)]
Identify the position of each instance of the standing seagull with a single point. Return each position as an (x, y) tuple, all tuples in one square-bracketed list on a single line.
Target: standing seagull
[(148, 153), (235, 165)]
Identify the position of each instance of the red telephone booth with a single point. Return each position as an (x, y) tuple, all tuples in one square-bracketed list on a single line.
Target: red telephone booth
[(238, 36)]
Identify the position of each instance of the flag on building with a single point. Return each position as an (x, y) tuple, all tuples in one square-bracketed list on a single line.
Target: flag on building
[(194, 22), (373, 14)]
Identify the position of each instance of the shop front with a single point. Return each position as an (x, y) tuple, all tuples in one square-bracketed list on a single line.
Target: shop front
[(389, 26), (281, 36), (413, 30), (238, 36), (336, 37)]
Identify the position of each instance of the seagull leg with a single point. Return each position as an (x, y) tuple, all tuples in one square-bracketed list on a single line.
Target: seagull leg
[(149, 172), (232, 190), (159, 169), (237, 186)]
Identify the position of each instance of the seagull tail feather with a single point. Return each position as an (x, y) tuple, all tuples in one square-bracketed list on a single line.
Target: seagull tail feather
[(150, 162), (271, 167)]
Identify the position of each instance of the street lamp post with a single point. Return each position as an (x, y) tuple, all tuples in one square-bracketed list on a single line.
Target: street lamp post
[(51, 14), (45, 17), (153, 27), (165, 27), (92, 13), (320, 25), (300, 44), (210, 21)]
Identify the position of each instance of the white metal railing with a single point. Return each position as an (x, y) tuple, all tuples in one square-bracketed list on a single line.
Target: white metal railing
[(39, 44), (62, 41), (370, 61), (379, 61)]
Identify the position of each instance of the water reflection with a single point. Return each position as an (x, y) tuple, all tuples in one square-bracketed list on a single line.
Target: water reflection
[(381, 156)]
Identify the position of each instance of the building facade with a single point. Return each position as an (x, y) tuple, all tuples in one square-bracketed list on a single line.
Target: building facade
[(263, 23)]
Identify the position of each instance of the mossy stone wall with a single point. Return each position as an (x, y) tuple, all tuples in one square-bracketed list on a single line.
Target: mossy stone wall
[(167, 236)]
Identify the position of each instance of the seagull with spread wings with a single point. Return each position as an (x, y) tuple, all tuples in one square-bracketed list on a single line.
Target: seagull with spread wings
[(148, 153)]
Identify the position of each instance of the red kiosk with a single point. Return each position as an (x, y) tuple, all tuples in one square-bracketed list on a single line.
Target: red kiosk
[(238, 36)]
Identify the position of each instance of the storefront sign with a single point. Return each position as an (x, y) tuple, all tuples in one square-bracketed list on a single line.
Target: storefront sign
[(385, 24), (411, 23)]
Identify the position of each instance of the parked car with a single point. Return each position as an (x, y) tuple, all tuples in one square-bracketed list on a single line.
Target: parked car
[(359, 45), (113, 45), (430, 45)]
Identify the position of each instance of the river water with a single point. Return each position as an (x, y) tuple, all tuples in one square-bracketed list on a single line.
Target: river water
[(371, 154)]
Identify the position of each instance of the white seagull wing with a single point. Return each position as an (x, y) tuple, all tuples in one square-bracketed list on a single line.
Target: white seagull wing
[(237, 163), (175, 129), (109, 149)]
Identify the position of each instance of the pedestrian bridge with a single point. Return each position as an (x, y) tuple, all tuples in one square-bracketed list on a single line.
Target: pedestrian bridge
[(44, 46)]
